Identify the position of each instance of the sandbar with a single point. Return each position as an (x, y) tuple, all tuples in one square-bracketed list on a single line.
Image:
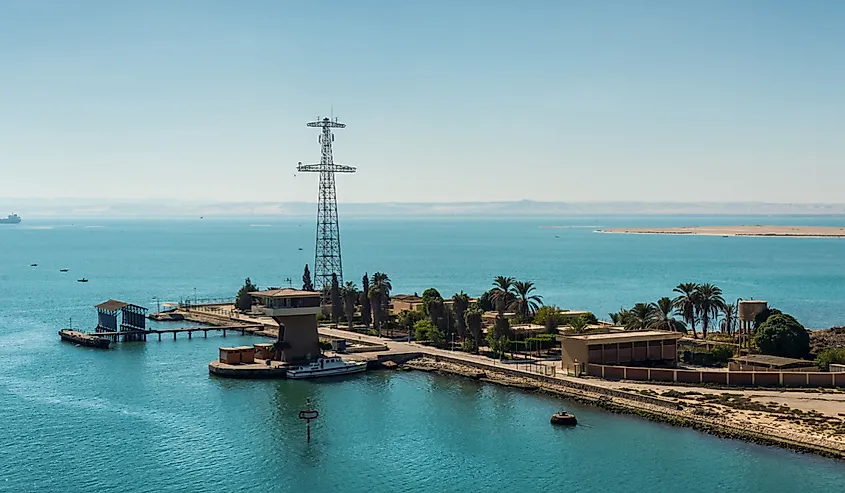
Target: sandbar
[(748, 230)]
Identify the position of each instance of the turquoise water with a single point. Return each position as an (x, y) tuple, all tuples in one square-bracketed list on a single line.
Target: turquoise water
[(148, 417)]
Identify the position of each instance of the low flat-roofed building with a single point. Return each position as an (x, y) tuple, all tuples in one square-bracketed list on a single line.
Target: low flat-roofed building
[(411, 302), (836, 368), (617, 348), (765, 362)]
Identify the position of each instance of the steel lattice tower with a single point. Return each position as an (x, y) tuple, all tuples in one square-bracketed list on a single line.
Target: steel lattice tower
[(327, 259)]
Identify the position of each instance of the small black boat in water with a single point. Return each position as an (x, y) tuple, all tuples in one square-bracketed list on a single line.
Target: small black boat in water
[(82, 280), (62, 270), (563, 418)]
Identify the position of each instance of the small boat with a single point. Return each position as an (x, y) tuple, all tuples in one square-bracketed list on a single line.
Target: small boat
[(326, 367), (300, 248), (62, 270), (82, 339), (564, 418), (33, 265), (82, 280)]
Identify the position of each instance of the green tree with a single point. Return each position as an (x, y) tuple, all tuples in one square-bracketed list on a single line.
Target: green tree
[(710, 304), (366, 311), (764, 315), (460, 304), (641, 316), (830, 356), (424, 330), (379, 295), (550, 322), (502, 294), (337, 304), (428, 296), (485, 302), (663, 319), (473, 318), (729, 318), (408, 318), (686, 304), (578, 325), (546, 312), (498, 335), (621, 317), (524, 303), (243, 300), (350, 301), (782, 335), (307, 285)]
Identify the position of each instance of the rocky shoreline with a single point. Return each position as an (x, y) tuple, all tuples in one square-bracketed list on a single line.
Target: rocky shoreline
[(657, 409)]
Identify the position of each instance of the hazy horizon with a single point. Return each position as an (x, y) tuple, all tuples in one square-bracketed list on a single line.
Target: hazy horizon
[(152, 208), (445, 101)]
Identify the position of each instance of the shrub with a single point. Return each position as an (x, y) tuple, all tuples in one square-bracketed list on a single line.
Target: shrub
[(782, 335), (830, 356), (425, 330)]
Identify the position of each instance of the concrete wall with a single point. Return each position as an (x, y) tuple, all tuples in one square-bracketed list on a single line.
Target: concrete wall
[(301, 339), (738, 378), (657, 401)]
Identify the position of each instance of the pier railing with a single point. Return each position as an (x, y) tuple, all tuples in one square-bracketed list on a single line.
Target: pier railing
[(545, 370)]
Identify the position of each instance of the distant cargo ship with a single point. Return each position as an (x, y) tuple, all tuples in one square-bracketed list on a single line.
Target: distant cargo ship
[(11, 219)]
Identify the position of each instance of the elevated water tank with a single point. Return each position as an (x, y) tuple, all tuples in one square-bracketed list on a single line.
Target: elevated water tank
[(748, 309)]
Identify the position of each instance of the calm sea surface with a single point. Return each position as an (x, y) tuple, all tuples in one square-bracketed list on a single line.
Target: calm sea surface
[(148, 417)]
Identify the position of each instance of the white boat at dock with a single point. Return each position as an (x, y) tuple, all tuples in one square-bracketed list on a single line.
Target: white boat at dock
[(327, 367)]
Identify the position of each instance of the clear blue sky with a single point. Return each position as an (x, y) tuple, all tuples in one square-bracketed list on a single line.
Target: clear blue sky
[(465, 100)]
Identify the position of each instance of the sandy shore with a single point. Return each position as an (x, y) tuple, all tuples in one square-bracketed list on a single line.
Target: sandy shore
[(755, 230), (725, 414)]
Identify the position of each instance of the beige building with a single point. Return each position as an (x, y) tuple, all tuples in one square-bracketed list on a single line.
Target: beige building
[(296, 313), (617, 348)]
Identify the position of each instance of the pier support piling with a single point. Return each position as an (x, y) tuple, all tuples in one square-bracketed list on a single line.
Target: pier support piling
[(159, 337)]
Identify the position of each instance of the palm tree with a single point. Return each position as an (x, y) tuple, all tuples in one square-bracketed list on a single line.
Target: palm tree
[(379, 296), (525, 303), (502, 293), (710, 304), (686, 303), (663, 319), (730, 318), (620, 317), (460, 304), (578, 325), (641, 316), (473, 320), (350, 300)]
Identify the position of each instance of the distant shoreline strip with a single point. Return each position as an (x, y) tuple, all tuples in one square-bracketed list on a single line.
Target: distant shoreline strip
[(759, 231)]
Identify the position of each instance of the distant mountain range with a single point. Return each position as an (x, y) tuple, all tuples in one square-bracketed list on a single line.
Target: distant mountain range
[(32, 208)]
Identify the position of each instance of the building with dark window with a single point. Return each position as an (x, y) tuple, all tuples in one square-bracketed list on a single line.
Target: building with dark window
[(295, 312), (618, 348)]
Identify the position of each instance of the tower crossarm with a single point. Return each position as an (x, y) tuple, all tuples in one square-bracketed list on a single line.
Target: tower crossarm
[(325, 122), (318, 168)]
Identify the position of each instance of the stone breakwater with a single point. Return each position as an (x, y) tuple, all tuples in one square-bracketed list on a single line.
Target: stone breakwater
[(650, 407)]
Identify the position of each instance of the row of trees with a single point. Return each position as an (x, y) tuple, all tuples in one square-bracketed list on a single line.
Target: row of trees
[(693, 303), (776, 333), (373, 299)]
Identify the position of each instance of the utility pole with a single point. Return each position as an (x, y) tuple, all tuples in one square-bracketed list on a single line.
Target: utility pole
[(327, 258)]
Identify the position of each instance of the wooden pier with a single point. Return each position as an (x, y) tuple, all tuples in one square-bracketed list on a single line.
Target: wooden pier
[(142, 334)]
